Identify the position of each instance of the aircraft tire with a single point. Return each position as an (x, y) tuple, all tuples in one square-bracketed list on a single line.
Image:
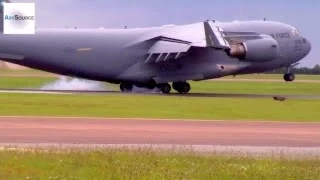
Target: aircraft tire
[(126, 87), (165, 88), (185, 87), (175, 85), (181, 87), (289, 77), (152, 84)]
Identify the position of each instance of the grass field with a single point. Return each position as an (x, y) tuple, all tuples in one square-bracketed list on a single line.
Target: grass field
[(167, 107), (147, 164), (274, 76), (235, 87), (24, 73), (148, 106), (24, 82)]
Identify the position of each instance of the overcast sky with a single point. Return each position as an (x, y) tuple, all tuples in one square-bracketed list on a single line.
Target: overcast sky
[(143, 13)]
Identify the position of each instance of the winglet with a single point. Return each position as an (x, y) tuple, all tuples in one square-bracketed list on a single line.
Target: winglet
[(214, 37)]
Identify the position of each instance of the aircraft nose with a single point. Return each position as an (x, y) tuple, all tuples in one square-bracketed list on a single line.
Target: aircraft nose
[(308, 46)]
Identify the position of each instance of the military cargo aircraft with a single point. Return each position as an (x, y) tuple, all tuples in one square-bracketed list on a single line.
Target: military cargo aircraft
[(156, 56)]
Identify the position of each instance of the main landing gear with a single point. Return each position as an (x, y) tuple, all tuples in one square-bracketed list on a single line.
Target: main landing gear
[(288, 76), (126, 87), (165, 88), (181, 87)]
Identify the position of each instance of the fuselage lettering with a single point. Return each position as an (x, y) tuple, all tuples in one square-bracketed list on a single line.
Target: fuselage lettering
[(283, 35)]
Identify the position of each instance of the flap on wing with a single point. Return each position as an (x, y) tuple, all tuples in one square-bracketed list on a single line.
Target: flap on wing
[(168, 47), (163, 50), (169, 39)]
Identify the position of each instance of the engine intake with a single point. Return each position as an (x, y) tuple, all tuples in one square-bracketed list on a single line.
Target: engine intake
[(257, 50)]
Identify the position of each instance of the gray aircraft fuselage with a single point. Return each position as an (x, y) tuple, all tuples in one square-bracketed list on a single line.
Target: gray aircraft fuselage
[(119, 55)]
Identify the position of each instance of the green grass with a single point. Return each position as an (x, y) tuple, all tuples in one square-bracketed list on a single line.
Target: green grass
[(147, 164), (24, 82), (202, 86), (159, 107), (237, 87), (274, 76), (24, 73)]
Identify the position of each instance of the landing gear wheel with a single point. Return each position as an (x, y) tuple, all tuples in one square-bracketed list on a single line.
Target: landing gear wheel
[(126, 87), (165, 88), (176, 85), (185, 87), (289, 77), (181, 87), (152, 84)]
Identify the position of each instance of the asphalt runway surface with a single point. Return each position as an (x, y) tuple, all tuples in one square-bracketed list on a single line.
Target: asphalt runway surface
[(77, 130), (204, 95)]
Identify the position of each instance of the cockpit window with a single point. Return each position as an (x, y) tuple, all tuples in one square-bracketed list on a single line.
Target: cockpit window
[(304, 41)]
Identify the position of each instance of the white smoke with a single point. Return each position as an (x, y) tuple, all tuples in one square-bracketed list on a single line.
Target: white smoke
[(65, 83), (74, 84), (136, 89)]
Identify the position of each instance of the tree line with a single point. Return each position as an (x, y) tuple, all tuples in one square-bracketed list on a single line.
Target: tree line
[(315, 70)]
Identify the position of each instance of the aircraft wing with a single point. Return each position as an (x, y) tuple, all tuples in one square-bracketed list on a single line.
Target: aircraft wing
[(165, 48), (219, 39)]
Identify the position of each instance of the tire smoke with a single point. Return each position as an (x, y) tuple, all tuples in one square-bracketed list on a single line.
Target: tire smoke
[(74, 84), (136, 89)]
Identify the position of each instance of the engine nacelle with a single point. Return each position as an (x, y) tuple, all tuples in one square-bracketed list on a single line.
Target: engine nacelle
[(257, 50)]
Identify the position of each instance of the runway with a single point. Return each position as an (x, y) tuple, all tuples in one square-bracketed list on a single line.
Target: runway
[(210, 136), (204, 95), (151, 131)]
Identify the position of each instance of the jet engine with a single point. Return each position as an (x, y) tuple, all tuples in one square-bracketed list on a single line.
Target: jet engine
[(257, 50)]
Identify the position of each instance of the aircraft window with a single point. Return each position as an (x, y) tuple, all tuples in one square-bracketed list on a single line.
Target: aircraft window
[(304, 41)]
